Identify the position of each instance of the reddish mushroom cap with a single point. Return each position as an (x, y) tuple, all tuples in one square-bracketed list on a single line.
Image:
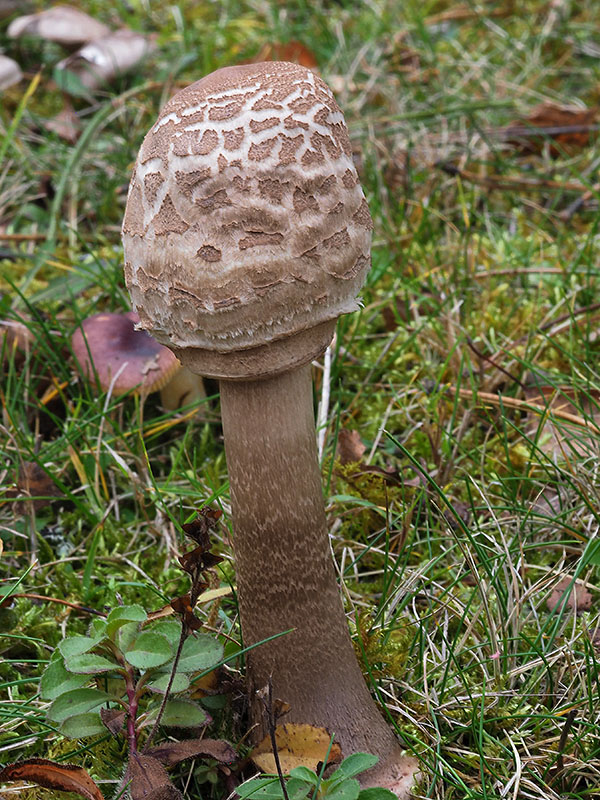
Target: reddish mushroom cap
[(108, 344)]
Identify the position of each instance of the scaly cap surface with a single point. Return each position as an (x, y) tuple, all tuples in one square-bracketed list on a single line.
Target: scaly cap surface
[(245, 221)]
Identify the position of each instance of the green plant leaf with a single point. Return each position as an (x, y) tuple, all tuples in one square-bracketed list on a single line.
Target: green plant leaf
[(353, 765), (347, 789), (261, 789), (77, 645), (199, 653), (149, 650), (183, 714), (82, 725), (181, 682), (75, 702), (305, 774), (171, 628), (121, 616), (376, 793), (126, 636), (56, 680), (298, 789), (89, 664), (98, 628)]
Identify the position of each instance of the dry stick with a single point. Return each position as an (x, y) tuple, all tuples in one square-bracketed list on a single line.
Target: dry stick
[(22, 237), (505, 182), (272, 734), (554, 325), (497, 273), (76, 607), (524, 405), (183, 636), (491, 361), (574, 207), (560, 764), (324, 404)]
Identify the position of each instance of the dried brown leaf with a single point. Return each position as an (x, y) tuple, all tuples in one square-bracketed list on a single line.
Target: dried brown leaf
[(564, 431), (297, 745), (293, 51), (148, 780), (65, 124), (62, 777), (33, 481), (113, 719), (199, 528), (568, 127), (579, 598), (62, 24), (170, 753), (350, 448)]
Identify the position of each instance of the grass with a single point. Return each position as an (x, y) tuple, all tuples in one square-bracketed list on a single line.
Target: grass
[(479, 293)]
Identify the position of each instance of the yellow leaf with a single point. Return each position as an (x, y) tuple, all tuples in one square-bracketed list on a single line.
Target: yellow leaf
[(298, 745)]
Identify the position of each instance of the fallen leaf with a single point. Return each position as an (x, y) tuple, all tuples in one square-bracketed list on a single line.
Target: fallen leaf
[(349, 447), (579, 598), (34, 482), (170, 753), (113, 719), (401, 57), (62, 777), (571, 424), (65, 124), (104, 59), (297, 745), (293, 51), (10, 72), (149, 780), (62, 24), (207, 685), (568, 127)]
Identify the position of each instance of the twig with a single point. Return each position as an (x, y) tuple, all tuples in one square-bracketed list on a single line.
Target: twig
[(183, 636), (272, 735), (498, 273), (324, 404), (578, 203), (525, 405), (491, 361), (560, 764), (508, 183), (22, 237), (75, 606)]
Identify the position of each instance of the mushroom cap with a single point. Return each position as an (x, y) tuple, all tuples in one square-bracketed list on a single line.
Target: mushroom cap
[(245, 223), (109, 344)]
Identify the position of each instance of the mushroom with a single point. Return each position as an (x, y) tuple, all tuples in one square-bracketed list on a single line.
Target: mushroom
[(109, 347), (246, 234)]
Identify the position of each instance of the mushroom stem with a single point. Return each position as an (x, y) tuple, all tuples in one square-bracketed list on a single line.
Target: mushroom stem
[(286, 578)]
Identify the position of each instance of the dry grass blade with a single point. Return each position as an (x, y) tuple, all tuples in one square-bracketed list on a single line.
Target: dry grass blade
[(524, 405)]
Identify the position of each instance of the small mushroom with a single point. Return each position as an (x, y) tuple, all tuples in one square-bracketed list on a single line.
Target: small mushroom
[(246, 235), (109, 347), (65, 25), (16, 338), (106, 58), (10, 72)]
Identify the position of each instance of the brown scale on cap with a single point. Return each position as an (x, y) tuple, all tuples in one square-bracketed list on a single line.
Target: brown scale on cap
[(247, 171)]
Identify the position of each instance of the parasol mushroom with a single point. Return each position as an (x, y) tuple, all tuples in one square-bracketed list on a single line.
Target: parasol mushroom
[(246, 235)]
